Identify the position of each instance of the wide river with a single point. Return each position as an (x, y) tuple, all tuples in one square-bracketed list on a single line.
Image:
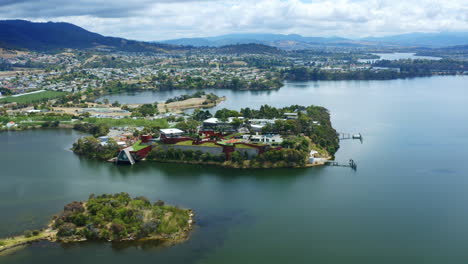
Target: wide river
[(406, 203)]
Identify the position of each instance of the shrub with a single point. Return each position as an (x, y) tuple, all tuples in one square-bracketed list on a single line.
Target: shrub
[(28, 233), (67, 229), (78, 219), (159, 203), (144, 199), (74, 207), (148, 228)]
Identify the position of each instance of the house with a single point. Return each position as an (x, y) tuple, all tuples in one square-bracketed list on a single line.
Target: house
[(218, 124), (265, 138), (171, 132), (256, 125), (103, 140), (11, 124), (290, 115), (256, 128), (172, 136)]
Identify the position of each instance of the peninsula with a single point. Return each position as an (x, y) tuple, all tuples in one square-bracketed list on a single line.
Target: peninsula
[(294, 136)]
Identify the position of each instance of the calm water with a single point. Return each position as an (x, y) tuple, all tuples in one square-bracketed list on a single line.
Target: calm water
[(406, 203), (398, 56)]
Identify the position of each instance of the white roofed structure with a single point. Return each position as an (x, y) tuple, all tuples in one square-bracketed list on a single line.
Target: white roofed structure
[(171, 131)]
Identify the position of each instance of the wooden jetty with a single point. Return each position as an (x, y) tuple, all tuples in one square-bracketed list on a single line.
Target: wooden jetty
[(343, 136), (350, 164)]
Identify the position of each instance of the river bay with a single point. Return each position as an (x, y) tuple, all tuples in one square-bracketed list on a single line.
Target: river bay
[(406, 203)]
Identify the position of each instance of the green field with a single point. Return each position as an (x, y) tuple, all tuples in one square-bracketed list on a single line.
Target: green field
[(209, 144), (35, 118), (137, 146), (244, 146), (32, 98), (189, 143), (162, 123), (185, 143)]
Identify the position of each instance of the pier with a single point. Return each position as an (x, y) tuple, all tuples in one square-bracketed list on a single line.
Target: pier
[(351, 164), (344, 136)]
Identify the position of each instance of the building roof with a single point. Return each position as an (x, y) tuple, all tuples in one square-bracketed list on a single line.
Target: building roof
[(313, 152), (171, 131), (212, 120)]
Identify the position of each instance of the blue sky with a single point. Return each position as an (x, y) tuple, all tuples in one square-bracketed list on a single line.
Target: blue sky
[(167, 19)]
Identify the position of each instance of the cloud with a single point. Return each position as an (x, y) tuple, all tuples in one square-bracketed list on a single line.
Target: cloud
[(164, 19)]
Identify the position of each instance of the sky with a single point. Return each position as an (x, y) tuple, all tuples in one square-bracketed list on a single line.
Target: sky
[(151, 20)]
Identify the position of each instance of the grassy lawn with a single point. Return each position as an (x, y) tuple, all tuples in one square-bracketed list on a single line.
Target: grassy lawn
[(185, 143), (137, 146), (233, 135), (32, 98), (209, 144), (162, 123), (189, 143), (242, 146)]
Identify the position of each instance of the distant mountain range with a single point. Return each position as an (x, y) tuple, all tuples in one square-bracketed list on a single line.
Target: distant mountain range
[(429, 40), (294, 41), (21, 34)]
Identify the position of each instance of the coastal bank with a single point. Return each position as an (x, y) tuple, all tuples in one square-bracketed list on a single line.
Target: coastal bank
[(112, 218)]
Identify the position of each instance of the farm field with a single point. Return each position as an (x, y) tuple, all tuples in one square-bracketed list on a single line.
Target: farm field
[(32, 98)]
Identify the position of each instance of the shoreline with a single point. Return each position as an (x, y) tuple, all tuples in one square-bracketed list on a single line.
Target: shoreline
[(230, 165), (51, 235)]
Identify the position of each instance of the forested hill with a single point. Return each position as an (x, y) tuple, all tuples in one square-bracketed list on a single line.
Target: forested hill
[(21, 34), (248, 49)]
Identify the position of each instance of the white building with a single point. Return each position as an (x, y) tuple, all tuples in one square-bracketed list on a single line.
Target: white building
[(291, 115), (266, 138), (171, 132)]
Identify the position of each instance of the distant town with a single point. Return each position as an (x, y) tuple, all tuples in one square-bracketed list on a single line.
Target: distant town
[(68, 89)]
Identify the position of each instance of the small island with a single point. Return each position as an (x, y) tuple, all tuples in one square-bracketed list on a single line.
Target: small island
[(112, 217)]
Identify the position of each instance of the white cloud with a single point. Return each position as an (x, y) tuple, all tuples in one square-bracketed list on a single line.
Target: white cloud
[(156, 20)]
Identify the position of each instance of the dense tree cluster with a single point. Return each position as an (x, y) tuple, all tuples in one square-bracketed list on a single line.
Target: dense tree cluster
[(96, 130), (120, 87), (92, 148), (317, 74), (225, 113), (172, 154), (145, 110), (273, 158), (312, 121), (5, 91), (283, 158), (425, 66), (118, 216), (189, 125), (185, 97), (166, 82), (201, 115)]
